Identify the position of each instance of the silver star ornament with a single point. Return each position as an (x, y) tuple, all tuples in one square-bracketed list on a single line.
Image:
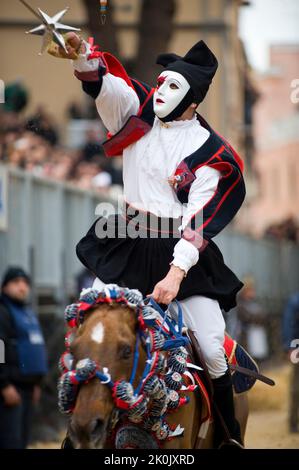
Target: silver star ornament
[(51, 29)]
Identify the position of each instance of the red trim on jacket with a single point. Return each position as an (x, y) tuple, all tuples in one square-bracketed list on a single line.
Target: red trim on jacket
[(203, 207), (146, 101), (92, 76), (141, 86), (133, 130), (193, 237), (220, 204), (216, 155), (116, 68), (233, 151)]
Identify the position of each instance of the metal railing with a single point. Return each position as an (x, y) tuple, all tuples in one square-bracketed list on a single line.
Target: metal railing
[(46, 219)]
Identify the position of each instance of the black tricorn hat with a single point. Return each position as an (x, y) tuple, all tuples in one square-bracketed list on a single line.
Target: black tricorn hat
[(198, 67)]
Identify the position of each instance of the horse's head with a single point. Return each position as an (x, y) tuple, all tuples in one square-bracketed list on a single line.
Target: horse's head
[(108, 337), (122, 353)]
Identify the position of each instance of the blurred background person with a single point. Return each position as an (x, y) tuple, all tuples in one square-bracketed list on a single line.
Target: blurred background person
[(290, 335), (44, 137), (252, 319), (25, 360), (42, 124), (92, 146)]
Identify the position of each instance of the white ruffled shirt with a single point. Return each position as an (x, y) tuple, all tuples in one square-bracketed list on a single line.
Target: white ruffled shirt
[(149, 162)]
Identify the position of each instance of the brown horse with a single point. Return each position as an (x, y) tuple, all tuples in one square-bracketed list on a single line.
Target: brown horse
[(108, 337)]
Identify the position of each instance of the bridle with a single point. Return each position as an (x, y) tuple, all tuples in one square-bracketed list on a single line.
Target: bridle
[(161, 386)]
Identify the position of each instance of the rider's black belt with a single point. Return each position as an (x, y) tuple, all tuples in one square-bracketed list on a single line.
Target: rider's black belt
[(147, 224)]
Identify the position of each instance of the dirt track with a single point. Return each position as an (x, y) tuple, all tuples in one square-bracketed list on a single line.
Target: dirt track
[(268, 419), (268, 430), (267, 425)]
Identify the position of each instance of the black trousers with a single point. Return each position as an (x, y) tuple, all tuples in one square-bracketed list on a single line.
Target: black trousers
[(15, 421)]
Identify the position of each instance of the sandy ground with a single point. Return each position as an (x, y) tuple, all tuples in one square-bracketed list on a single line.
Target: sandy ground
[(268, 418), (268, 430), (267, 424)]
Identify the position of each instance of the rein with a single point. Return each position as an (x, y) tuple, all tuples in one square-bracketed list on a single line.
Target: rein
[(162, 382)]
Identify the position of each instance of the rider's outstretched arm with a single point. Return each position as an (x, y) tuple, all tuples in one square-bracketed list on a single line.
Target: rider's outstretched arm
[(115, 99)]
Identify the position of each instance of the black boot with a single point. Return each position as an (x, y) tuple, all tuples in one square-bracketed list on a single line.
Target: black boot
[(67, 443), (224, 404)]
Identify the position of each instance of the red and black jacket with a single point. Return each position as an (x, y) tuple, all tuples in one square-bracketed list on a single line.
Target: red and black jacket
[(136, 126), (216, 153)]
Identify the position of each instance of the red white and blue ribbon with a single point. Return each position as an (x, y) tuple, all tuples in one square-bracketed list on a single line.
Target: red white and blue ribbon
[(162, 385)]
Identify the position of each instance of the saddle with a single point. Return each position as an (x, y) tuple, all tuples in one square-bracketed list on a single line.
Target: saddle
[(244, 369)]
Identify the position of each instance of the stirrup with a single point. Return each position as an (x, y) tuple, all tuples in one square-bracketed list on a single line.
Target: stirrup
[(231, 443)]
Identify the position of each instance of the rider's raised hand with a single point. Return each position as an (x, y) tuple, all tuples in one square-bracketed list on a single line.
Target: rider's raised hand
[(74, 45)]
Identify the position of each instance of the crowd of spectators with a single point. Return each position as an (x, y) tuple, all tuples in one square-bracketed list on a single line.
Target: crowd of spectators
[(288, 229), (34, 144)]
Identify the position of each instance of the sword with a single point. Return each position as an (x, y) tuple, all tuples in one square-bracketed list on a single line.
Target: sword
[(34, 12)]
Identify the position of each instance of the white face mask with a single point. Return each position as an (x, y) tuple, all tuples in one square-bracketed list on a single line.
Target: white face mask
[(172, 87)]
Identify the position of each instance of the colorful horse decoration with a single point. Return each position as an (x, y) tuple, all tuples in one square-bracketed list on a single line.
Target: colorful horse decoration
[(163, 378)]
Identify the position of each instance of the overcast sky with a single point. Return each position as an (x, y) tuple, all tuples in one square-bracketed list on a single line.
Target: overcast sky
[(268, 22)]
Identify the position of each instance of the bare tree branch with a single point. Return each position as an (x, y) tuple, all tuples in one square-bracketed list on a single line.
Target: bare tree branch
[(155, 30)]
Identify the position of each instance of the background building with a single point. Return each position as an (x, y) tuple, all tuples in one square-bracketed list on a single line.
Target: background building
[(50, 82), (275, 207), (53, 173)]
